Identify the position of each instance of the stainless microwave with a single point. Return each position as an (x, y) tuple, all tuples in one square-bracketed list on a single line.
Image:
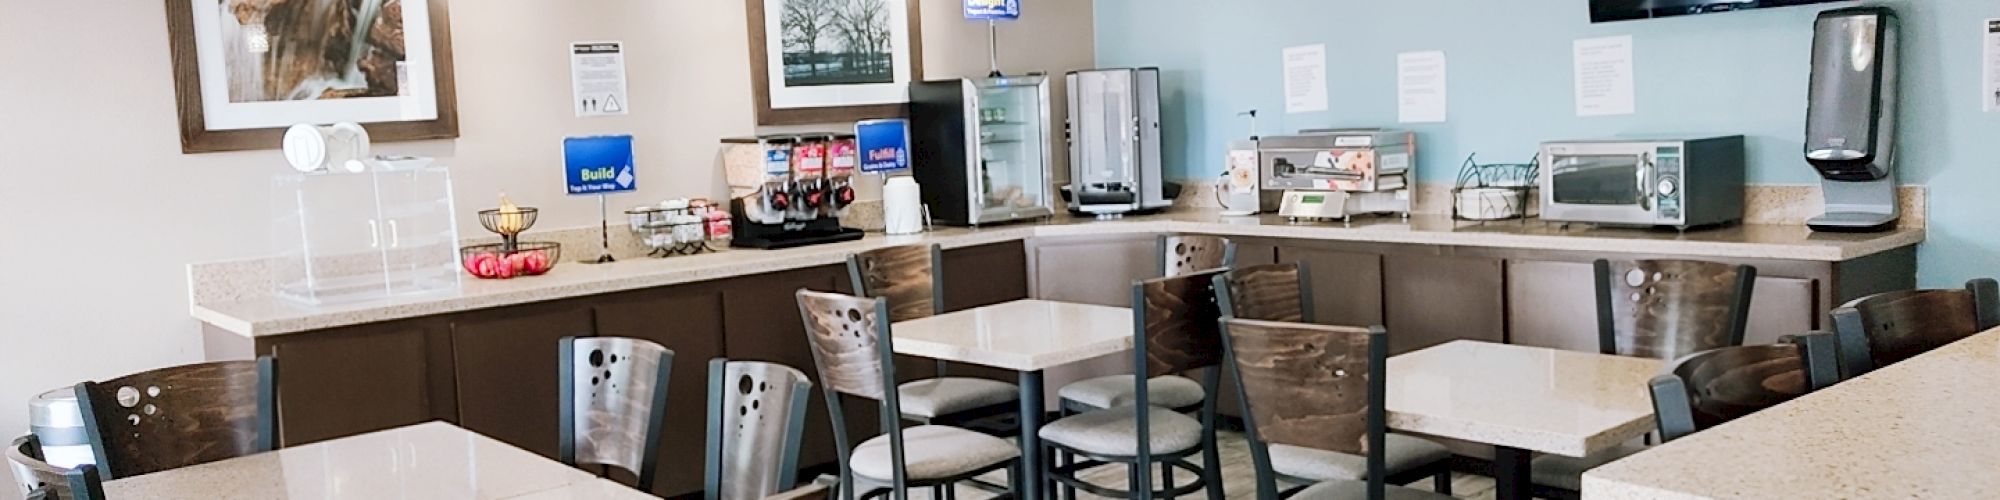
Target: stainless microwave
[(1679, 183)]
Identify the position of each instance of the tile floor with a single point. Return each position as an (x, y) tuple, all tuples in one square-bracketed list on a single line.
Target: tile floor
[(1238, 477)]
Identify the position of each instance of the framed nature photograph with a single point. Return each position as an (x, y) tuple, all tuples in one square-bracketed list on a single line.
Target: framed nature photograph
[(820, 61), (244, 70)]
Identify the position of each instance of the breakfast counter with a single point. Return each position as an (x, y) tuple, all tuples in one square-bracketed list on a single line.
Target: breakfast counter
[(1922, 428), (228, 303)]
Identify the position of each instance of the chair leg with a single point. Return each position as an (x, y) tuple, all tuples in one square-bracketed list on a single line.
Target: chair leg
[(1441, 483), (1211, 466), (1132, 487), (951, 492), (937, 492), (1166, 478)]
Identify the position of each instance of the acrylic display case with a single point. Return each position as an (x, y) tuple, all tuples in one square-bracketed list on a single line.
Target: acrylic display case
[(346, 238)]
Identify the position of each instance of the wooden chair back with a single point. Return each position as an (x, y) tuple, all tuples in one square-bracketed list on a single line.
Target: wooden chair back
[(1709, 388), (853, 351), (847, 335), (180, 416), (614, 403), (1665, 309), (756, 417), (41, 481), (905, 275), (1186, 253), (1275, 292), (1311, 386), (1886, 328), (1176, 318)]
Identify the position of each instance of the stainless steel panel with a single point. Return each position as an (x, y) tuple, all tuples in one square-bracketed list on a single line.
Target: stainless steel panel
[(1782, 306), (757, 415), (1552, 305), (1431, 299)]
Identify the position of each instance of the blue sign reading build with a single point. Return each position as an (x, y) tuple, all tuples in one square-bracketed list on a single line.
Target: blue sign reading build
[(993, 10), (598, 165)]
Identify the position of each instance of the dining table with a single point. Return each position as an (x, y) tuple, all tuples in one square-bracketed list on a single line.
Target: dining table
[(1521, 400), (430, 461), (1920, 428), (1027, 337)]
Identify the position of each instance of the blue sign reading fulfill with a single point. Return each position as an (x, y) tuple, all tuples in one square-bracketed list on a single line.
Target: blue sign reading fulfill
[(884, 145), (598, 165), (993, 10)]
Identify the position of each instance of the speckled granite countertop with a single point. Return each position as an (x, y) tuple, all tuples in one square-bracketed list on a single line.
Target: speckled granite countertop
[(253, 313), (1923, 428)]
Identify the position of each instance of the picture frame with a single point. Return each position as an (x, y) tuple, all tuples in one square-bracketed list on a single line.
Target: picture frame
[(824, 81), (238, 85)]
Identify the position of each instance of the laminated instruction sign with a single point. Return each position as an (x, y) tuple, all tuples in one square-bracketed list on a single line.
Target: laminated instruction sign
[(884, 145), (597, 73), (993, 10), (599, 165)]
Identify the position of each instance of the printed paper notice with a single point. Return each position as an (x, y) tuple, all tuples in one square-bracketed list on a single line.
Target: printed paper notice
[(1991, 96), (1305, 79), (1420, 87), (597, 72), (1604, 77)]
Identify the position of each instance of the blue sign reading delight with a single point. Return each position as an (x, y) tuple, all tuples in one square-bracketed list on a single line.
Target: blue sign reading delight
[(993, 10), (884, 145), (598, 165)]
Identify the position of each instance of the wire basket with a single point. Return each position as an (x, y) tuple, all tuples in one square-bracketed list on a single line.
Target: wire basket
[(509, 225), (497, 261), (1493, 192)]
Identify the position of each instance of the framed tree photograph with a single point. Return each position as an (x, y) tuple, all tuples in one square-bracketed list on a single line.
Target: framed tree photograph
[(822, 61), (244, 70)]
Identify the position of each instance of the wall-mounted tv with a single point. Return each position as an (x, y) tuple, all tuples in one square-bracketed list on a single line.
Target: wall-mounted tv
[(1602, 11)]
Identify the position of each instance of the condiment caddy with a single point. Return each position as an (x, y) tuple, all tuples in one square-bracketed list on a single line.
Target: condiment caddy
[(681, 227)]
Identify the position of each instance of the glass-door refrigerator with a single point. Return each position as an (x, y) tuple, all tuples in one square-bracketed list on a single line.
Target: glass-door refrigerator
[(982, 148)]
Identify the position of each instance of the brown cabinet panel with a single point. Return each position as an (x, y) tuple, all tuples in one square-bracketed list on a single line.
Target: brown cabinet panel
[(1346, 286), (985, 275), (1436, 298), (506, 365), (761, 315), (1552, 305), (339, 383), (688, 320)]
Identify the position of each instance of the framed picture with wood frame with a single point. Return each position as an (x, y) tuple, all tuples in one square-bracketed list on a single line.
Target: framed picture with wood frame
[(824, 61), (245, 70)]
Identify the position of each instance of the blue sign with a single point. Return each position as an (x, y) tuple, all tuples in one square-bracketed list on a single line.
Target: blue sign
[(993, 10), (598, 165), (884, 145)]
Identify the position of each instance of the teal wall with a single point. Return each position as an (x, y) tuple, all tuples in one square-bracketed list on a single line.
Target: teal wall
[(1510, 87)]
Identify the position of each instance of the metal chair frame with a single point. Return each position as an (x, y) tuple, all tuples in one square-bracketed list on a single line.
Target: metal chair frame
[(1674, 413), (962, 418), (26, 453), (655, 420), (1378, 422), (795, 420), (1857, 357)]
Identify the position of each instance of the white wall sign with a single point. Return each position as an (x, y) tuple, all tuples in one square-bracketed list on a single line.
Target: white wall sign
[(1420, 87), (1990, 97), (1604, 77), (597, 73), (1305, 79)]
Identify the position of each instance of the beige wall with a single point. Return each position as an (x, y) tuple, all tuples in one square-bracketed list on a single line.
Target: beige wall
[(99, 211)]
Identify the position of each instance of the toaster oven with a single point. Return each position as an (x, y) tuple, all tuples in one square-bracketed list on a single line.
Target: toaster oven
[(1678, 183)]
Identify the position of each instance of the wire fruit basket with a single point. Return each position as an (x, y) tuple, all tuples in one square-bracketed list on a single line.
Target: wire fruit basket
[(497, 262), (1494, 192)]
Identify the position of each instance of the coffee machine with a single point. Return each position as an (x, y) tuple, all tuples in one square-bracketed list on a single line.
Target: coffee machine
[(1851, 118), (1114, 143)]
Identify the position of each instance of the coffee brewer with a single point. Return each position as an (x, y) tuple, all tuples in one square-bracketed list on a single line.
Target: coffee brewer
[(791, 190)]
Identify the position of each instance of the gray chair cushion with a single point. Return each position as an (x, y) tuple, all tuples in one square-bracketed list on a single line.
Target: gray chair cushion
[(932, 452), (1116, 432), (1404, 453), (1558, 471), (932, 398), (1167, 391), (1358, 490)]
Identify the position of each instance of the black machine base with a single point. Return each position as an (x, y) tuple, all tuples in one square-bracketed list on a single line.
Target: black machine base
[(791, 234)]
